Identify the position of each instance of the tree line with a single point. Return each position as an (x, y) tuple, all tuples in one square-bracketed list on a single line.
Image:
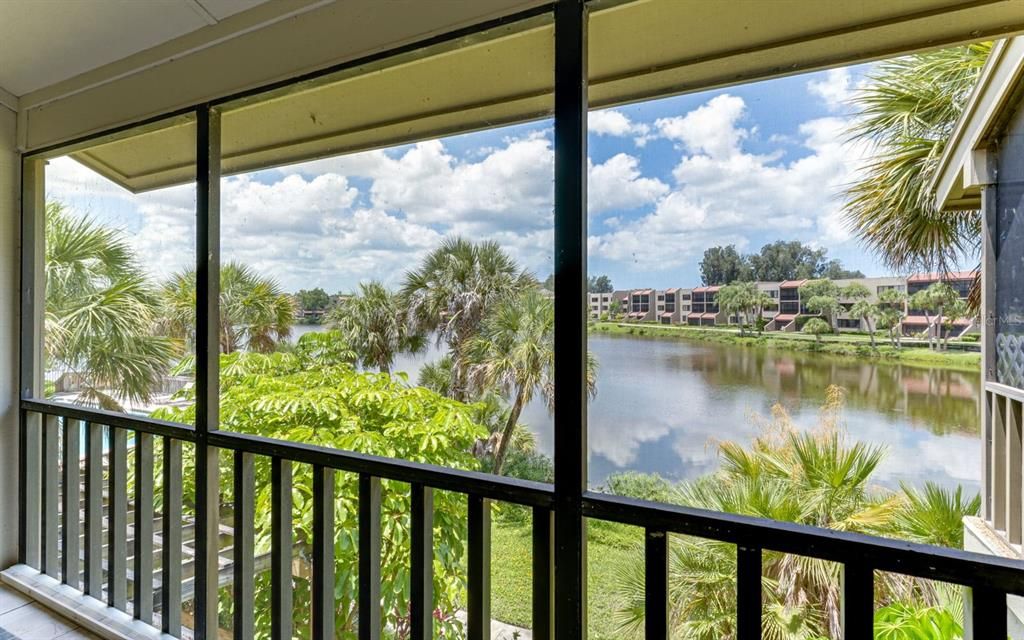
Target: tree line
[(777, 261)]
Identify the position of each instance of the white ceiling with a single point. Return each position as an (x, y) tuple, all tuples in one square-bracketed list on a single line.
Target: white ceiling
[(46, 41)]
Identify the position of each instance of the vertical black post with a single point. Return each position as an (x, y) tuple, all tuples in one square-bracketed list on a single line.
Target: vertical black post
[(281, 549), (94, 510), (72, 499), (369, 558), (543, 573), (421, 589), (655, 585), (748, 593), (51, 487), (858, 605), (117, 519), (245, 544), (478, 611), (323, 553), (207, 354), (570, 324), (142, 583), (988, 615), (170, 571)]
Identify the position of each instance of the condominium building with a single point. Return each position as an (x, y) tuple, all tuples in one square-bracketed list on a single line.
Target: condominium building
[(788, 310)]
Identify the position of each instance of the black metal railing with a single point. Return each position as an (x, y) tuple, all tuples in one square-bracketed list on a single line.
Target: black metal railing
[(59, 470)]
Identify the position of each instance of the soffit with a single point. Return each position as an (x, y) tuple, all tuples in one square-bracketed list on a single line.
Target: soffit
[(45, 42), (638, 50)]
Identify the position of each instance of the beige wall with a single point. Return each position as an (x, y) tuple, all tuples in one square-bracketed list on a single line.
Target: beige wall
[(8, 338)]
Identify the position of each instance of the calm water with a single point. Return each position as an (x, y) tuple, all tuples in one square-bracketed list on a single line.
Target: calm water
[(662, 404)]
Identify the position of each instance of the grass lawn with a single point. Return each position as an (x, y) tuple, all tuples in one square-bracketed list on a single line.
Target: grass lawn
[(843, 345), (512, 573)]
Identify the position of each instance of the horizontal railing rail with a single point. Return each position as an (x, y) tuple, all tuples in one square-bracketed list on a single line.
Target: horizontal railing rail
[(73, 524)]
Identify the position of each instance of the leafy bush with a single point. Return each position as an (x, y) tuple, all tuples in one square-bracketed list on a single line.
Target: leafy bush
[(645, 486), (314, 396)]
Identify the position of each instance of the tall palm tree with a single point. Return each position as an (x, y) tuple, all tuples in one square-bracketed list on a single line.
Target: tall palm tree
[(514, 352), (100, 312), (255, 313), (908, 109), (453, 290), (374, 326)]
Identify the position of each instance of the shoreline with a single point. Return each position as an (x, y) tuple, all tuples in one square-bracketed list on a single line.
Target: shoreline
[(844, 348)]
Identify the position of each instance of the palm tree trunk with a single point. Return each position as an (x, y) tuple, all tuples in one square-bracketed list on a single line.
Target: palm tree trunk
[(506, 433), (871, 330)]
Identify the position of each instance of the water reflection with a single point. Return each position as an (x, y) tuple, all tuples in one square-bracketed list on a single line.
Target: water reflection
[(663, 404)]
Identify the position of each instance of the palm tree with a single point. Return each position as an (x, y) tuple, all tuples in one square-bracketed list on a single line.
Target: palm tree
[(255, 313), (738, 298), (100, 312), (514, 352), (453, 290), (907, 110), (374, 325), (816, 327)]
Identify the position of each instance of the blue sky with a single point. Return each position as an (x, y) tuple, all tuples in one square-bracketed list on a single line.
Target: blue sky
[(745, 165)]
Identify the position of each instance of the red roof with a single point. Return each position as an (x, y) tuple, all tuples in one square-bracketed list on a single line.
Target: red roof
[(785, 317), (673, 290), (792, 283), (700, 289), (915, 320), (641, 292), (713, 289), (708, 315), (667, 314), (936, 276)]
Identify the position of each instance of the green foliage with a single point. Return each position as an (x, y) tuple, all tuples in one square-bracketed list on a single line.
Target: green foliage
[(633, 484), (312, 299), (101, 313), (816, 327), (374, 325), (315, 397), (900, 621), (454, 289), (255, 314), (599, 284), (907, 110), (723, 265)]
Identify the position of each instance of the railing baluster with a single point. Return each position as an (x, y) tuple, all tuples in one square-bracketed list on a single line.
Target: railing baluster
[(858, 601), (1013, 470), (94, 510), (142, 583), (998, 469), (478, 615), (245, 531), (117, 508), (988, 615), (51, 478), (748, 593), (281, 549), (323, 553), (170, 570), (422, 561), (655, 585), (30, 500), (543, 573), (369, 558), (207, 558), (72, 496)]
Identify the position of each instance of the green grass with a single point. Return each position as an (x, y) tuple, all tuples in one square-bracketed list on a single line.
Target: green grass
[(609, 545), (851, 346)]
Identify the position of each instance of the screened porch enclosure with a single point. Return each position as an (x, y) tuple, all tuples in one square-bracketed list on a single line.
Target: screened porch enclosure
[(175, 526)]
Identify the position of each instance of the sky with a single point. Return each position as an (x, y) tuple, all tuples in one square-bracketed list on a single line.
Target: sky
[(744, 165)]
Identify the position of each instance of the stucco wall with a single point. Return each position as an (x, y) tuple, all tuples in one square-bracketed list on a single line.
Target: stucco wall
[(8, 338)]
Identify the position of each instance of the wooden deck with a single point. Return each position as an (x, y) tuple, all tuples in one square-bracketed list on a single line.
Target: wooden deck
[(24, 619)]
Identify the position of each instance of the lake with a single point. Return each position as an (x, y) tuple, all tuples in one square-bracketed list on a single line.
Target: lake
[(662, 404)]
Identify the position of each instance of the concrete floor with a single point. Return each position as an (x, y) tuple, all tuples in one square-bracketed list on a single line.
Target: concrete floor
[(24, 619)]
